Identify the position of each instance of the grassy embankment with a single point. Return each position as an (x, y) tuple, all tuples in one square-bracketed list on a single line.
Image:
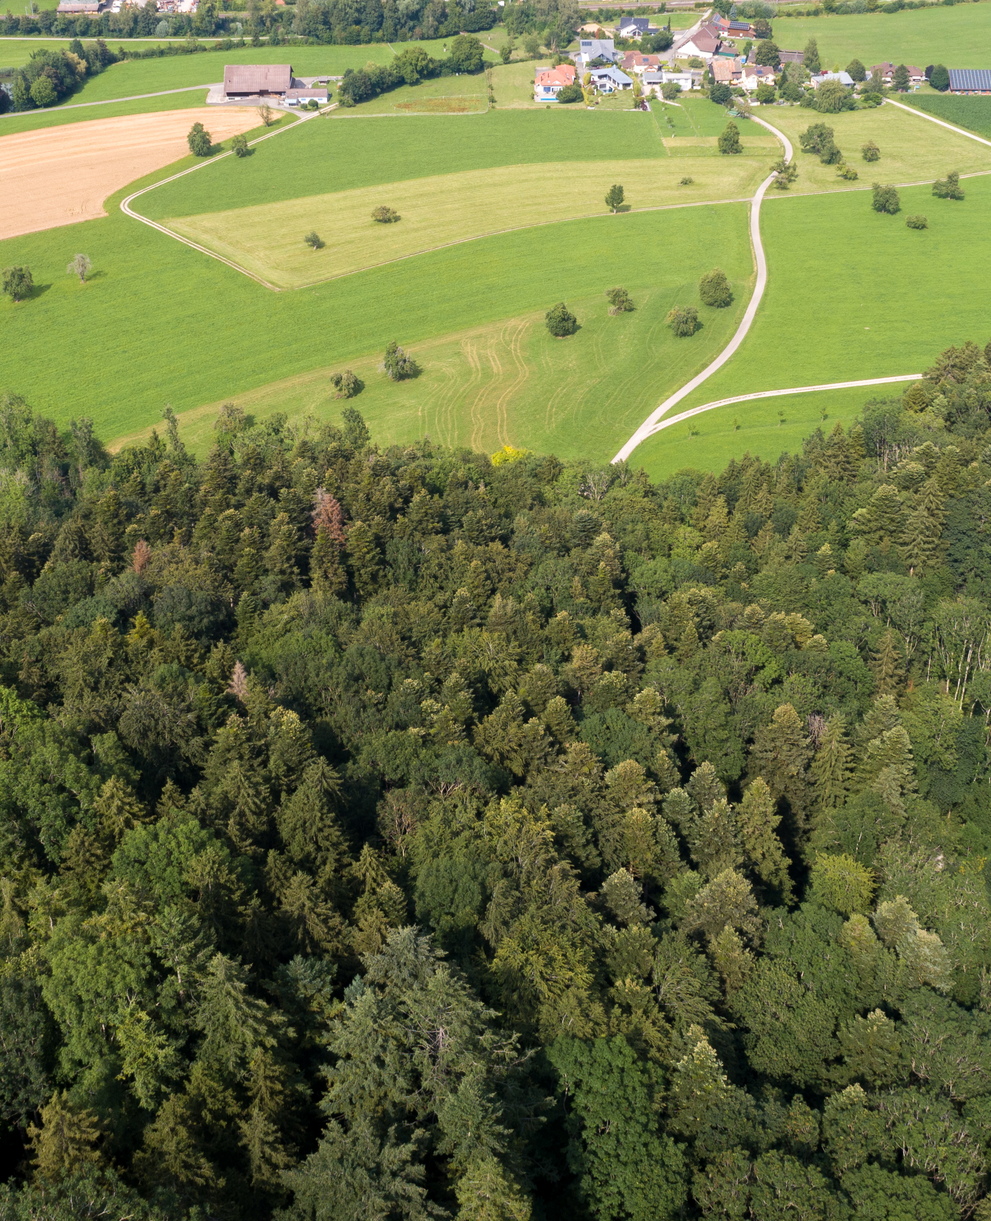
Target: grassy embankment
[(192, 331), (958, 36), (851, 294)]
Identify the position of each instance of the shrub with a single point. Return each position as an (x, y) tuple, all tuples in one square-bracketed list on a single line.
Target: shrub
[(17, 282), (239, 146), (570, 93), (398, 364), (686, 181), (870, 151), (729, 141), (347, 384), (199, 141), (670, 90), (683, 320), (785, 173), (619, 299), (871, 99), (847, 172), (714, 289), (765, 93), (917, 222), (385, 216), (885, 199), (948, 187), (561, 321), (312, 240)]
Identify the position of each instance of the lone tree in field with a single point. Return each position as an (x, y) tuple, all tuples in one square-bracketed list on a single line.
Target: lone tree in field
[(561, 321), (199, 141), (939, 78), (347, 384), (239, 146), (266, 114), (80, 266), (885, 199), (614, 197), (870, 151), (785, 173), (683, 320), (17, 282), (729, 141), (385, 216), (398, 364), (948, 187), (620, 300), (917, 222), (312, 239), (714, 289)]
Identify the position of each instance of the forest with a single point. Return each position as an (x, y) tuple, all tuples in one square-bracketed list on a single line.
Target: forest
[(408, 833)]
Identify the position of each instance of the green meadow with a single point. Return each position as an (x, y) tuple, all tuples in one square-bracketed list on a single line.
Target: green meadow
[(958, 36), (189, 330), (15, 52), (851, 294)]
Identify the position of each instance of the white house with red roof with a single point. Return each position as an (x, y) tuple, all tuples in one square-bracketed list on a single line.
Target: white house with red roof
[(548, 82)]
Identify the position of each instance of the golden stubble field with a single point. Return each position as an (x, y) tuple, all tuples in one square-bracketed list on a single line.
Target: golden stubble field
[(61, 175)]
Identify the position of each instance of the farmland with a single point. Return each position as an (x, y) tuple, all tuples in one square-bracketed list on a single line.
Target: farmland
[(974, 113), (953, 36)]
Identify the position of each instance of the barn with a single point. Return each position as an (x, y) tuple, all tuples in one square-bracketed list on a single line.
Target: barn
[(257, 81), (970, 80)]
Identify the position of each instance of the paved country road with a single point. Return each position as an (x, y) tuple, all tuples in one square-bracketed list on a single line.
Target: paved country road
[(19, 114), (647, 427)]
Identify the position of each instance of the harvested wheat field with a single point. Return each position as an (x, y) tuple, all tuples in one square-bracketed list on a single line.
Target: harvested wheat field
[(61, 175)]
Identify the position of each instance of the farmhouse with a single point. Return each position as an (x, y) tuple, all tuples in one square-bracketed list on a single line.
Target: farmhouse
[(297, 96), (970, 80), (886, 72), (257, 80), (548, 82), (726, 71)]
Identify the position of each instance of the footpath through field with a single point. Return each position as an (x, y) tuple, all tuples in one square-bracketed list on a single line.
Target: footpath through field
[(647, 427), (653, 423)]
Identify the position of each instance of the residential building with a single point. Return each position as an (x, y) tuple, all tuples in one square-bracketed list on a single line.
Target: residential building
[(548, 82), (303, 94), (635, 27), (844, 78), (590, 49), (734, 29), (704, 43), (726, 71), (686, 79), (610, 80), (754, 75), (970, 80), (636, 61)]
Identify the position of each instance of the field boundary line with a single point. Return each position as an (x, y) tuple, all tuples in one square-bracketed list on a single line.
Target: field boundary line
[(125, 204), (647, 427), (773, 394)]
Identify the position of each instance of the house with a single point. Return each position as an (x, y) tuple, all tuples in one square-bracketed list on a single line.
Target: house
[(257, 80), (704, 43), (590, 49), (734, 29), (844, 78), (754, 75), (635, 27), (687, 80), (636, 61), (548, 82), (886, 72), (970, 80), (610, 80), (299, 96), (726, 71)]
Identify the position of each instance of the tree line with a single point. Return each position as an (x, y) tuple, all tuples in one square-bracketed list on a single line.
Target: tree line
[(409, 832)]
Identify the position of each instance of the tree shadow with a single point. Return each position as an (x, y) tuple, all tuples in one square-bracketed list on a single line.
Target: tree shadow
[(95, 275)]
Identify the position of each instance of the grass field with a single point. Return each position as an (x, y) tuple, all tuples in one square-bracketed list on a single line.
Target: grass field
[(851, 294), (765, 427), (912, 150), (15, 52), (448, 208), (189, 330), (974, 113), (959, 37)]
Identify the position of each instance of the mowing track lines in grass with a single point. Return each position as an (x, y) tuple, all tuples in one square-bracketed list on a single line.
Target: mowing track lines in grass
[(922, 114), (746, 322)]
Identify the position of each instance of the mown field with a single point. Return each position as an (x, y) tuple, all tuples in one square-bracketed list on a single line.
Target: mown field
[(450, 208), (959, 36), (191, 331), (911, 149), (15, 52), (851, 294), (974, 113)]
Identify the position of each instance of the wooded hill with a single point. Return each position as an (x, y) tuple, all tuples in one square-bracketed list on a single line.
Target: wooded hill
[(412, 834)]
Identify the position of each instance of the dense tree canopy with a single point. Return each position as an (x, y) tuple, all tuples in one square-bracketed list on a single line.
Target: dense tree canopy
[(403, 832)]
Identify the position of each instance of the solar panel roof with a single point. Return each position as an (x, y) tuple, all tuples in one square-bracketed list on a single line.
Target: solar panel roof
[(970, 78)]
